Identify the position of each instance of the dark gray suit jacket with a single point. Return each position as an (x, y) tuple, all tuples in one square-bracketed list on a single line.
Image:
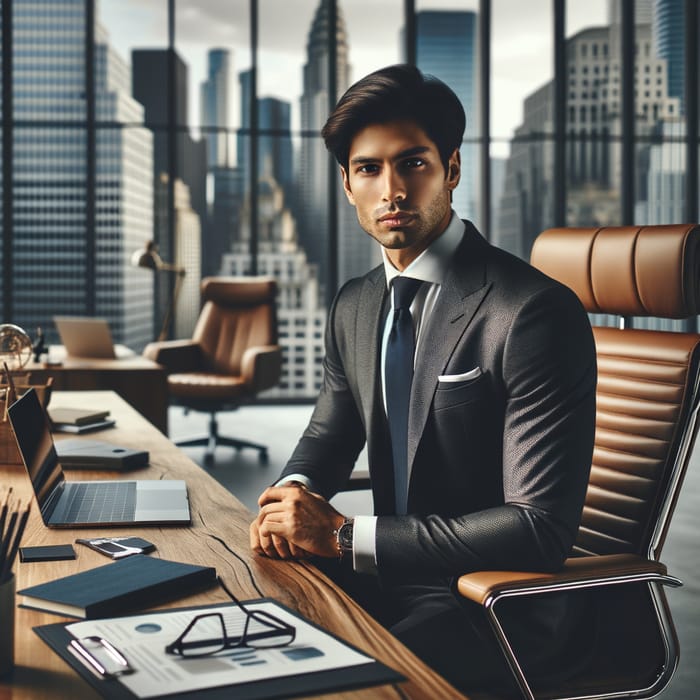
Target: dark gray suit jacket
[(500, 463)]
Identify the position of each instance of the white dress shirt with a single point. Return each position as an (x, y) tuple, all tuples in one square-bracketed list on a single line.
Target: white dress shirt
[(430, 267)]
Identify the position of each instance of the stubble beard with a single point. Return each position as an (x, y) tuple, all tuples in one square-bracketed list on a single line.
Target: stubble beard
[(421, 228)]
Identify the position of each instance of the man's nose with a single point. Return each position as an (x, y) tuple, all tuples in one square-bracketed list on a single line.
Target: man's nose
[(394, 186)]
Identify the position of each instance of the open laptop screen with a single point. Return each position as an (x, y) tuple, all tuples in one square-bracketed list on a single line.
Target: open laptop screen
[(33, 433), (85, 337)]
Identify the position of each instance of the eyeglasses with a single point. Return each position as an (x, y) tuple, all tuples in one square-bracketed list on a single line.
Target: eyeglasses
[(207, 634)]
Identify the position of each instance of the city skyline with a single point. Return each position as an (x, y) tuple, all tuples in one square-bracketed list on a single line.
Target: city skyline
[(133, 194), (521, 54)]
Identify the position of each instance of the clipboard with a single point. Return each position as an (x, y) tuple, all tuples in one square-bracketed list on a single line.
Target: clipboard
[(57, 637)]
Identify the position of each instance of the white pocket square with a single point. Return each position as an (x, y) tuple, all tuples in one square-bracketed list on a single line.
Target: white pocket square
[(464, 377)]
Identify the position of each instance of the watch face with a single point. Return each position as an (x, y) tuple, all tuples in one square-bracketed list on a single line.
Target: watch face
[(345, 535)]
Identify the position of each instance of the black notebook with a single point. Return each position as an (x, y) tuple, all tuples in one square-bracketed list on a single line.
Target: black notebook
[(129, 584)]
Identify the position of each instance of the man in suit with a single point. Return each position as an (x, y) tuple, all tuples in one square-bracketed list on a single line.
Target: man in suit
[(479, 453)]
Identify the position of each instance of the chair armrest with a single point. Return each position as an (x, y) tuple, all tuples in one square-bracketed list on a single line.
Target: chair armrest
[(175, 355), (261, 367), (485, 587)]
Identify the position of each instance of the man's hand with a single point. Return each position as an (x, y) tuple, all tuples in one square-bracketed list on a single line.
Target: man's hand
[(294, 523)]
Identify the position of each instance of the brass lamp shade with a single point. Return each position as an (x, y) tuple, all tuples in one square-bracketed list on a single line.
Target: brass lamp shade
[(147, 257)]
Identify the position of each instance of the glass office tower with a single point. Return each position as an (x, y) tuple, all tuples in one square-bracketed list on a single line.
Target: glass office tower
[(274, 140), (217, 107), (51, 255), (446, 48), (669, 43)]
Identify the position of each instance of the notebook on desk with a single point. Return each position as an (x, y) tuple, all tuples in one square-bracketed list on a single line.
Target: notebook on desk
[(88, 337), (93, 503)]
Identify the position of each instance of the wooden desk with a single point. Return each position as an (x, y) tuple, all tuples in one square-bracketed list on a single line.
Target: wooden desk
[(39, 673), (142, 382)]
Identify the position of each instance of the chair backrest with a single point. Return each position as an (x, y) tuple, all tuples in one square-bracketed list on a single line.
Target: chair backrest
[(647, 393), (237, 313)]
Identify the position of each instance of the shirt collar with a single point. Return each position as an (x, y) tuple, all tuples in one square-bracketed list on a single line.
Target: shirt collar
[(431, 265)]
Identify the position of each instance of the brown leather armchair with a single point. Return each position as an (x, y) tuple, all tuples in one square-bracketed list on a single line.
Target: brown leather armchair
[(646, 424), (232, 356)]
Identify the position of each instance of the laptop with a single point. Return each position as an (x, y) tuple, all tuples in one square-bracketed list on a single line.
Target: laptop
[(88, 337), (88, 503)]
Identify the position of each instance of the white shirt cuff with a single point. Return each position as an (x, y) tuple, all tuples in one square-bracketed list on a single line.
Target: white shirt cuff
[(364, 554), (364, 550), (301, 478)]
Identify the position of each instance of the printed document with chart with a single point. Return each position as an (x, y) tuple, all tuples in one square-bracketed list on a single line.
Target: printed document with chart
[(142, 640)]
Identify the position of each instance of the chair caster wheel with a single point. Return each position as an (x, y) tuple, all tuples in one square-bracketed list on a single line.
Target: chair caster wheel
[(208, 459), (264, 458)]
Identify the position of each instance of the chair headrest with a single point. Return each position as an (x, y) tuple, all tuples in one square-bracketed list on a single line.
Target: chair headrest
[(626, 270), (239, 291)]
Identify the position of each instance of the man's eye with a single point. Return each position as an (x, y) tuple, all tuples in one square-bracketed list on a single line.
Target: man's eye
[(413, 163), (368, 168)]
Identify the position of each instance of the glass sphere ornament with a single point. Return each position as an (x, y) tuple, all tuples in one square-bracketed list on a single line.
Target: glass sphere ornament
[(15, 347)]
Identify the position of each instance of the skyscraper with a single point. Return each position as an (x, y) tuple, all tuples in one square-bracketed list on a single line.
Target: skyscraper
[(642, 11), (594, 127), (668, 34), (188, 251), (300, 317), (217, 108), (446, 48), (274, 142), (150, 68), (355, 248), (50, 258), (225, 228)]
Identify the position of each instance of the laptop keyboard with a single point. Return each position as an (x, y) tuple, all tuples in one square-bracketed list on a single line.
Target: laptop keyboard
[(102, 503)]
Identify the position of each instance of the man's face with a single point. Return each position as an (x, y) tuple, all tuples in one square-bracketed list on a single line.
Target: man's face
[(396, 181)]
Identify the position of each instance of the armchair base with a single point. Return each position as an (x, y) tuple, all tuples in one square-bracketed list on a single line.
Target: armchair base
[(213, 439)]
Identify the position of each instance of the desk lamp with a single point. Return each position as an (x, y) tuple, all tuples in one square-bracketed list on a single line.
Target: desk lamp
[(148, 257)]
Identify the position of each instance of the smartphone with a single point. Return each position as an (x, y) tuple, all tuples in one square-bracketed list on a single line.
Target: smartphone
[(118, 547)]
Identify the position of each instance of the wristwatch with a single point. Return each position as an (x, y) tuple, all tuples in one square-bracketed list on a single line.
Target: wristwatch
[(344, 536)]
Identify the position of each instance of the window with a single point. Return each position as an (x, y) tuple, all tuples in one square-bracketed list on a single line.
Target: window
[(215, 152)]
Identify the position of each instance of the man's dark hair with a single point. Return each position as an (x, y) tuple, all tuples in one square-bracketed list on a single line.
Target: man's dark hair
[(399, 92)]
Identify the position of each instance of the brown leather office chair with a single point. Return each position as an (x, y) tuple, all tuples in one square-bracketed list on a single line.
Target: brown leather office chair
[(232, 356), (646, 423)]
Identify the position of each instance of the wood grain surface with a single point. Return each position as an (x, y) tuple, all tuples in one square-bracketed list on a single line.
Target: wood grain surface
[(218, 537)]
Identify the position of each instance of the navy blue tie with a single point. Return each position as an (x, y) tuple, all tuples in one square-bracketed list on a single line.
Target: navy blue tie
[(398, 375)]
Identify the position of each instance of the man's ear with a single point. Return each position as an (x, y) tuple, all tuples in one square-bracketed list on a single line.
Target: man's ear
[(454, 170), (346, 185)]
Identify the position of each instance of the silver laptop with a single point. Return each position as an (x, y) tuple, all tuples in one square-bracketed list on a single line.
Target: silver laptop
[(83, 503), (89, 337)]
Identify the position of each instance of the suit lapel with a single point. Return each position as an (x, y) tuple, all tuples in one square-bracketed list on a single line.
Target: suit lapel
[(462, 292), (367, 334)]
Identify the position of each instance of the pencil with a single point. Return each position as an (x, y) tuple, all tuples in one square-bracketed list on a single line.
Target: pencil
[(12, 553), (3, 511), (5, 544)]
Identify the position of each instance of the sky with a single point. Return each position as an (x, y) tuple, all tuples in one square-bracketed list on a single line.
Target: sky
[(521, 42)]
